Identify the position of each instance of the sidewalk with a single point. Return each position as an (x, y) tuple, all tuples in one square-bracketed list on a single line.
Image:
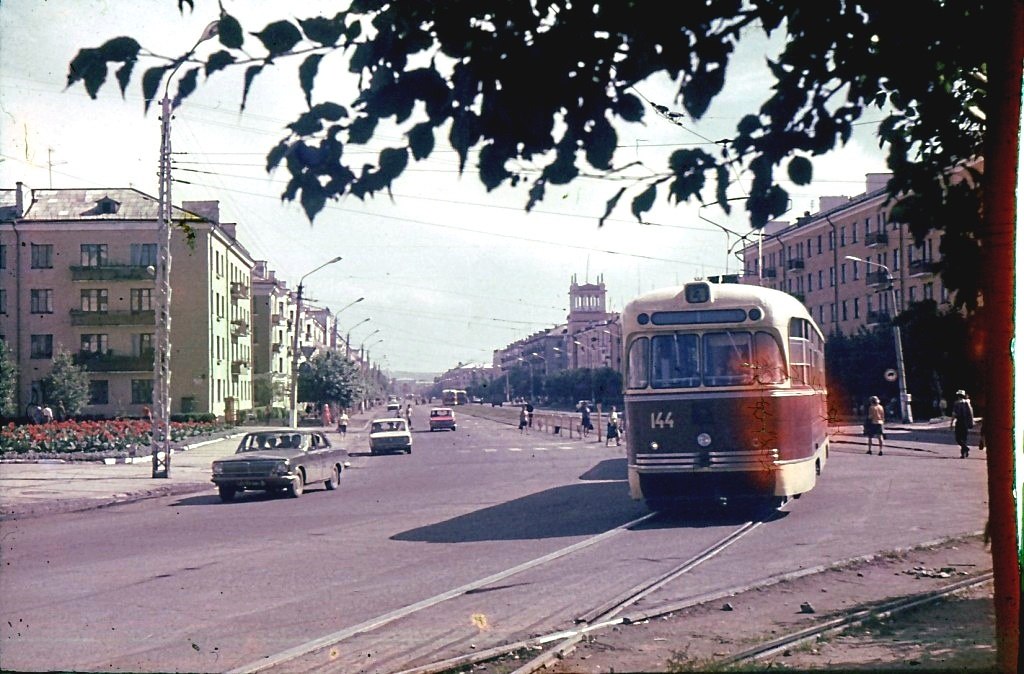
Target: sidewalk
[(53, 486)]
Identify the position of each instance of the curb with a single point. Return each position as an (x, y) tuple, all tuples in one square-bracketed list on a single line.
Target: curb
[(57, 506)]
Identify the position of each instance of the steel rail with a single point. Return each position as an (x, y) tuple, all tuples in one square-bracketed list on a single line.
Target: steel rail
[(277, 659), (879, 612)]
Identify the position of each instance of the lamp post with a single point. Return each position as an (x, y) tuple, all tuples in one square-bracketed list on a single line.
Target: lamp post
[(906, 414), (348, 337), (161, 412), (366, 339), (334, 341), (293, 415), (368, 352)]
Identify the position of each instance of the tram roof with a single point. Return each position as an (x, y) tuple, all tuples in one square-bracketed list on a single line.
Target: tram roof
[(674, 297)]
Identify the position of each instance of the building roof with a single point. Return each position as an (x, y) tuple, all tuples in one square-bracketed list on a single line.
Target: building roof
[(85, 204)]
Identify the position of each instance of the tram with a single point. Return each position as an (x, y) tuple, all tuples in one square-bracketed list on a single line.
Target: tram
[(725, 396), (453, 396)]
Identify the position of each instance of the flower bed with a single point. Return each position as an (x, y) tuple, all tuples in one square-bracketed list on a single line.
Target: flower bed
[(113, 437)]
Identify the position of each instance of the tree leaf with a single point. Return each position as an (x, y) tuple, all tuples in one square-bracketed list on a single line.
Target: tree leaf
[(90, 67), (313, 198), (151, 83), (276, 154), (229, 32), (643, 202), (610, 206), (186, 85), (218, 61), (279, 37), (800, 170), (323, 30), (307, 74), (421, 140), (629, 108), (124, 75), (361, 130), (250, 74)]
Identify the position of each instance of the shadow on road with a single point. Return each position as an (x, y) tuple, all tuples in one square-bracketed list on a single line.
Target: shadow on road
[(609, 469), (573, 510)]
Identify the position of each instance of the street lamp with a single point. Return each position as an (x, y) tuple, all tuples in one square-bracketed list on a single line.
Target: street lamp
[(348, 337), (901, 376), (368, 352), (293, 416), (334, 342), (366, 339), (161, 432)]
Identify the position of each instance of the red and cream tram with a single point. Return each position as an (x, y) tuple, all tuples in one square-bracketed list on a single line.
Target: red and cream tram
[(725, 395)]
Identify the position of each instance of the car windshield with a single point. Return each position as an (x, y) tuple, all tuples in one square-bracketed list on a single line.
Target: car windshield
[(387, 426), (440, 413), (257, 442)]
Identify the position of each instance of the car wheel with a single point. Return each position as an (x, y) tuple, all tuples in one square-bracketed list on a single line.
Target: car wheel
[(227, 493), (454, 427), (296, 487), (335, 480)]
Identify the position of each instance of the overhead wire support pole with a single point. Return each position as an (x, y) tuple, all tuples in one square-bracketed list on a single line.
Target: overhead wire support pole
[(160, 440)]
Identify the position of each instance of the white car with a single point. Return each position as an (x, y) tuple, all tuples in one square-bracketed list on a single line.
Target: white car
[(390, 434)]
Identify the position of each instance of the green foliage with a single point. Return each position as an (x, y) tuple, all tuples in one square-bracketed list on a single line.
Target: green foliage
[(547, 84), (67, 383), (8, 380), (330, 378)]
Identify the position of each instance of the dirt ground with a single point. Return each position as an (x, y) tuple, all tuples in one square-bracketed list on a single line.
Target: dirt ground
[(952, 635)]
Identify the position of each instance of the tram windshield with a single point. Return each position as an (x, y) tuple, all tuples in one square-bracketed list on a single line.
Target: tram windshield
[(688, 360)]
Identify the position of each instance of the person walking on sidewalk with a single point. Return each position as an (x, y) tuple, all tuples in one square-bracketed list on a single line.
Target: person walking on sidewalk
[(613, 428), (523, 418), (343, 423), (585, 420), (874, 424), (962, 421)]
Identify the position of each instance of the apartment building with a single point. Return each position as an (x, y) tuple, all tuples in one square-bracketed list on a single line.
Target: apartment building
[(77, 273), (273, 314), (810, 259)]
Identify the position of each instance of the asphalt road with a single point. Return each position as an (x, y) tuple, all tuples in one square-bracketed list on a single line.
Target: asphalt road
[(191, 584)]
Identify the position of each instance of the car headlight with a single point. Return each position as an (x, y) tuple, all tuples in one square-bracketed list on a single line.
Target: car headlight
[(281, 468), (218, 469)]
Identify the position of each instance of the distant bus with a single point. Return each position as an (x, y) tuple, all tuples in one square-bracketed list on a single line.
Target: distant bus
[(454, 396)]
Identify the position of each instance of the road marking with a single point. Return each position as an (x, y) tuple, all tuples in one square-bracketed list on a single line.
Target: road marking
[(373, 623), (490, 450), (515, 449)]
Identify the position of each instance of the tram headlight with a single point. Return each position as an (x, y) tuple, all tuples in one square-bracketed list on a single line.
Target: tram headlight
[(654, 446), (704, 440)]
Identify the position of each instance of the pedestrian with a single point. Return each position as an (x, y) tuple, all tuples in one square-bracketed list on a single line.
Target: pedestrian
[(523, 418), (874, 423), (962, 421), (343, 423), (408, 416), (47, 413), (529, 414), (585, 420), (62, 414), (613, 428)]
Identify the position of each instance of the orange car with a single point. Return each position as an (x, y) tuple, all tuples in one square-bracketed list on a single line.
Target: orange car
[(443, 418)]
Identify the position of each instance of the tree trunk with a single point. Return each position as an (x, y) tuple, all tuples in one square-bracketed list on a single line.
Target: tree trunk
[(997, 238)]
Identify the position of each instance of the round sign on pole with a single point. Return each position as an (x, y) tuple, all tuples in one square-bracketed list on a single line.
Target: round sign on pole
[(890, 374)]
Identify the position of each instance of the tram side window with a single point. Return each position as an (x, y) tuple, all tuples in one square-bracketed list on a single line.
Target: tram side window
[(637, 375), (800, 352), (676, 361), (727, 359)]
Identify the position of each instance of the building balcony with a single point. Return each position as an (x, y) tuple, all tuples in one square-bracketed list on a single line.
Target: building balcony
[(875, 239), (113, 272), (768, 272), (876, 278), (240, 328), (277, 347), (111, 361), (79, 317), (877, 317), (239, 291), (277, 319), (794, 264), (920, 268), (239, 367)]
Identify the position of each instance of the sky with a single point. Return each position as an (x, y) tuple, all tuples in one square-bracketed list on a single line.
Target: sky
[(449, 272)]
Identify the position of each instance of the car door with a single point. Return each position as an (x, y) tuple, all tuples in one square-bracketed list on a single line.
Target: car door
[(316, 453)]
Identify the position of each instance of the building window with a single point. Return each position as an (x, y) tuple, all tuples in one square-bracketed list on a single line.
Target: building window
[(856, 271), (913, 294), (99, 392), (94, 343), (819, 244), (94, 299), (3, 256), (842, 273), (832, 240), (94, 254), (897, 257), (842, 236), (143, 254), (929, 291), (856, 308), (42, 256), (831, 277), (867, 227), (142, 391), (853, 233), (41, 301), (3, 301), (41, 346), (821, 279), (140, 299), (844, 310), (142, 344)]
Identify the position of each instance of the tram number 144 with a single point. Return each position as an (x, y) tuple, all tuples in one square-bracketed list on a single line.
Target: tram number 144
[(662, 420)]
